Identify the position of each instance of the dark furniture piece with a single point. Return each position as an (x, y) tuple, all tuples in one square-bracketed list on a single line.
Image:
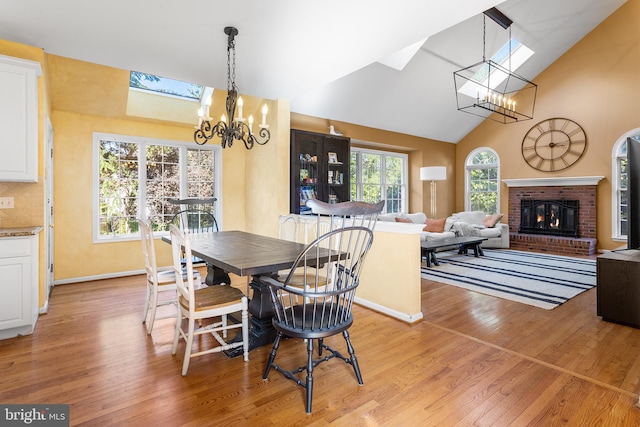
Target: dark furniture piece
[(248, 254), (319, 169), (618, 289), (320, 307), (429, 248)]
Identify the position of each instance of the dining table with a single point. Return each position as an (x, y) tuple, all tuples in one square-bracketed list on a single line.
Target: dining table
[(248, 254)]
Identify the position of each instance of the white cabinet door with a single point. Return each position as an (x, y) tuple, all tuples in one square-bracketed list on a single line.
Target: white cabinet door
[(18, 285), (15, 288), (18, 119)]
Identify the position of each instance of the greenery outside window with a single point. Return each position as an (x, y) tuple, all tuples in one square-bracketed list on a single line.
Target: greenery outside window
[(379, 175), (164, 86), (619, 190), (482, 181), (134, 178)]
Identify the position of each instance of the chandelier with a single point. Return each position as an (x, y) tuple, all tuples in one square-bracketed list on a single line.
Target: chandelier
[(229, 129), (488, 89)]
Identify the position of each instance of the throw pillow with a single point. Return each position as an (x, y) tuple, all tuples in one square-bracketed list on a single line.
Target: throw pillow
[(405, 220), (491, 220), (435, 225), (416, 218)]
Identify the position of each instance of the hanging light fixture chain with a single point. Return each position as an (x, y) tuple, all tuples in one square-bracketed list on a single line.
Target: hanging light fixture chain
[(509, 48), (484, 37)]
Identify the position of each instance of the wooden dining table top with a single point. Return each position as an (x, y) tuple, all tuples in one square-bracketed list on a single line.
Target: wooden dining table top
[(243, 253)]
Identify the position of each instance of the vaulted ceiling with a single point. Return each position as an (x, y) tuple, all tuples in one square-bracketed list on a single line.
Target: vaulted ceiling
[(325, 56)]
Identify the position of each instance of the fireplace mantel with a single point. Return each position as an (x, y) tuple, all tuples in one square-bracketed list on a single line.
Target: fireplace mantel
[(562, 181)]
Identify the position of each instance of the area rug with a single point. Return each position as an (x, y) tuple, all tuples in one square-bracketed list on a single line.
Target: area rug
[(541, 280)]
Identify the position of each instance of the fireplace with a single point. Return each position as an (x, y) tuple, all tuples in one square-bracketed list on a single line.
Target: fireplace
[(553, 191), (549, 217)]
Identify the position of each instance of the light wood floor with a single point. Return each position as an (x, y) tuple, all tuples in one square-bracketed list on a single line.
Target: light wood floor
[(474, 360)]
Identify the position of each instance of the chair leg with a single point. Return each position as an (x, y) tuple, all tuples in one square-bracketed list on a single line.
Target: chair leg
[(309, 383), (176, 334), (272, 355), (245, 329), (224, 326), (146, 305), (352, 354), (187, 350), (320, 342), (154, 308)]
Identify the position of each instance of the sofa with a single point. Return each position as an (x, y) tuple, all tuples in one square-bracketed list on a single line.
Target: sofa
[(467, 223)]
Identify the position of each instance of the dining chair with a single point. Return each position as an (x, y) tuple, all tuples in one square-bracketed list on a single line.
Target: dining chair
[(210, 302), (159, 282), (289, 227), (197, 215), (322, 307)]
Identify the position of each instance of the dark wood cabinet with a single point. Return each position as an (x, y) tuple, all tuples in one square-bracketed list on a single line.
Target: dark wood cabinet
[(319, 169), (618, 296)]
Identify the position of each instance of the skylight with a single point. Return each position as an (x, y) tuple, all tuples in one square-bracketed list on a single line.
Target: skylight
[(519, 54), (164, 86)]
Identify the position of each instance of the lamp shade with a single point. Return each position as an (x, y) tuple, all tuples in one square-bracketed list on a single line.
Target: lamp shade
[(433, 173)]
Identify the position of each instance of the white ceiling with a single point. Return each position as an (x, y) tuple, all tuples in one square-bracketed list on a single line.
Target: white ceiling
[(322, 55)]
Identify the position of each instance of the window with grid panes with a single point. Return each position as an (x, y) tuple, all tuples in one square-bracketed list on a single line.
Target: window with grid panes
[(135, 177)]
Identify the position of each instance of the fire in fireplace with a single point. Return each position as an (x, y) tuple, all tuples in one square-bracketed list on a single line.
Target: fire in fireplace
[(550, 217)]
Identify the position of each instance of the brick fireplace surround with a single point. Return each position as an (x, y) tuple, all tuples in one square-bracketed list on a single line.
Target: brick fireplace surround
[(582, 189)]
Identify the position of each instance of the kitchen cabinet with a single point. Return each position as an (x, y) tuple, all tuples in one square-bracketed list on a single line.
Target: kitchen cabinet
[(18, 285), (19, 119), (319, 169)]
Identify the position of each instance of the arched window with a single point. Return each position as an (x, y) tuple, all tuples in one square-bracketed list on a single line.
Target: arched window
[(619, 185), (482, 181)]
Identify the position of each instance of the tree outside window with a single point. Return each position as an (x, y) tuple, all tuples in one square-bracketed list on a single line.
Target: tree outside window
[(482, 179), (136, 179), (379, 175)]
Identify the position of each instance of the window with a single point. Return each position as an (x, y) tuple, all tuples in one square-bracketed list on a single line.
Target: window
[(379, 175), (482, 179), (134, 177), (619, 190)]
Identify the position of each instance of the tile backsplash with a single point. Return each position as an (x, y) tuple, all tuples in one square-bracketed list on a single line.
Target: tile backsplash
[(28, 202)]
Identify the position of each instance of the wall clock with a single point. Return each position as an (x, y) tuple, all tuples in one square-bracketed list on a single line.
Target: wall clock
[(554, 144)]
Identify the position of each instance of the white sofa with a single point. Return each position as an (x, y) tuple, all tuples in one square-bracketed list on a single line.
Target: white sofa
[(458, 224)]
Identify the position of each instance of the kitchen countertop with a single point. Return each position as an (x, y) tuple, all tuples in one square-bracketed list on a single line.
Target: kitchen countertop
[(19, 231)]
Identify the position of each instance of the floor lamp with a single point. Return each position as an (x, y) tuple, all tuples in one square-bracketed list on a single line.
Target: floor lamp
[(433, 174)]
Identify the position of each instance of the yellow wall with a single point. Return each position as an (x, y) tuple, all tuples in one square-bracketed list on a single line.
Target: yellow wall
[(75, 253), (596, 84), (421, 151)]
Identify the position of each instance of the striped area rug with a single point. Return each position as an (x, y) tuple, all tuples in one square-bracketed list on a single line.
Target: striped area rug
[(541, 280)]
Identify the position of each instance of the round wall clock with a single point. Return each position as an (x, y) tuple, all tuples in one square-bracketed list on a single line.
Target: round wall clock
[(554, 144)]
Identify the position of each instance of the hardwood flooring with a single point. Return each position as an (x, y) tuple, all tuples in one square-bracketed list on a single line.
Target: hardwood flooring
[(474, 360)]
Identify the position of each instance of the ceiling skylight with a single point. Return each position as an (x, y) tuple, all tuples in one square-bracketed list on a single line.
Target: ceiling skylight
[(519, 54), (164, 86)]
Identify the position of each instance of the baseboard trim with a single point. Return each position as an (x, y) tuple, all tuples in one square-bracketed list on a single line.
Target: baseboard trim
[(405, 317), (98, 277)]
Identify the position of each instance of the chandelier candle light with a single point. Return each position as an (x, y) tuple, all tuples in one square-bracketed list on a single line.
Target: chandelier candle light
[(433, 174), (229, 129)]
